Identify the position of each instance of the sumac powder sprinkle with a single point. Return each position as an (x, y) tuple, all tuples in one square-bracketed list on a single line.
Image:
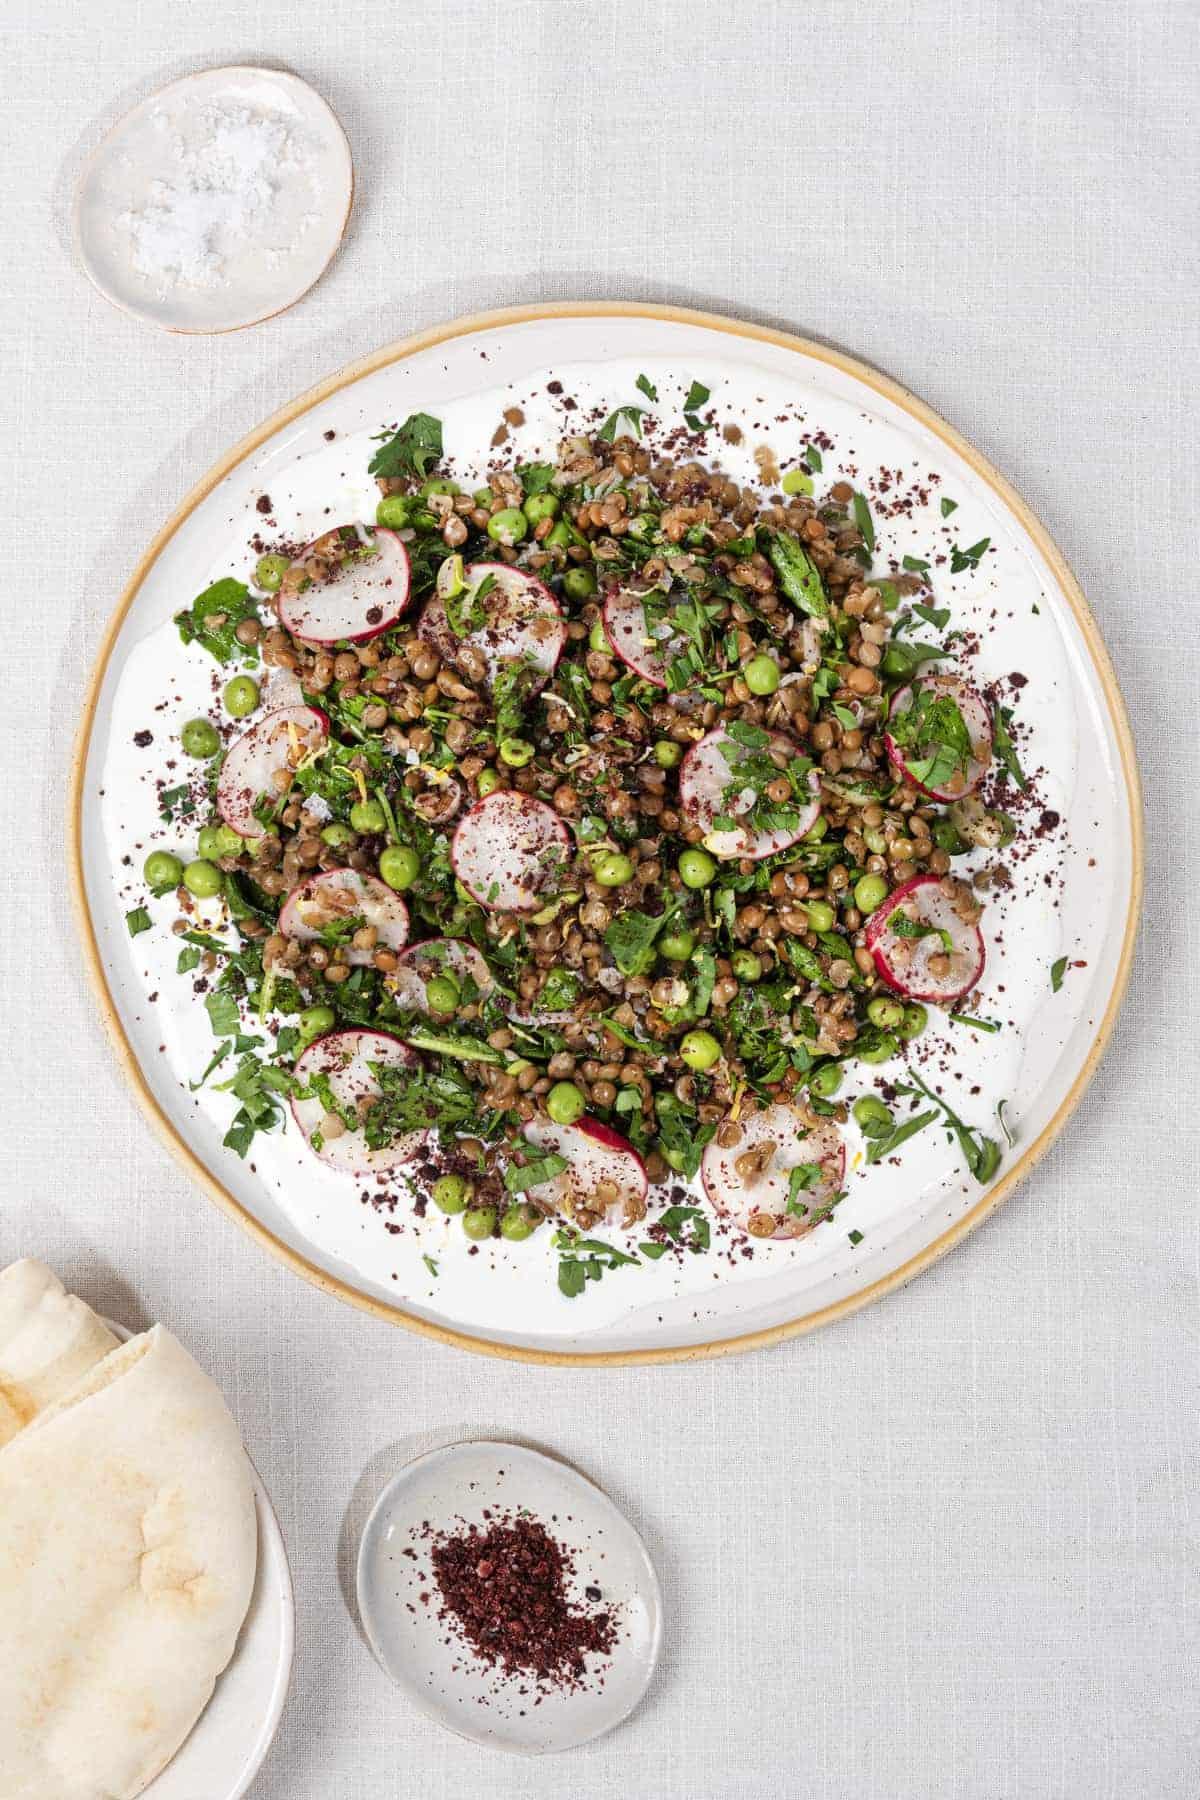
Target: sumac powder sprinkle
[(507, 1589)]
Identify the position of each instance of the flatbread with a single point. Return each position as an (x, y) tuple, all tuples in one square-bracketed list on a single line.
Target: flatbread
[(128, 1545), (48, 1341)]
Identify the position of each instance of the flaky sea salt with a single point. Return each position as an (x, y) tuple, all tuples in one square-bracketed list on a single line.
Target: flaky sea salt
[(221, 199)]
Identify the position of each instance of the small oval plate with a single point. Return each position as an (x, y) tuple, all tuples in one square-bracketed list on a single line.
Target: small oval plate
[(428, 1659)]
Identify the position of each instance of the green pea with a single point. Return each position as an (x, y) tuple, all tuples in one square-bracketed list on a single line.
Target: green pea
[(887, 1014), (540, 506), (598, 639), (451, 1193), (199, 738), (696, 868), (210, 842), (202, 879), (612, 869), (337, 835), (519, 1222), (426, 521), (482, 496), (821, 916), (162, 870), (269, 572), (479, 1222), (747, 966), (677, 943), (870, 892), (872, 1116), (580, 584), (700, 1050), (240, 696), (880, 1052), (508, 526), (368, 815), (516, 752), (565, 1103), (399, 866), (486, 782), (898, 661), (797, 481), (825, 1081), (816, 830), (394, 511), (442, 995), (875, 841), (562, 534), (915, 1019), (668, 754), (761, 675), (315, 1021), (438, 484)]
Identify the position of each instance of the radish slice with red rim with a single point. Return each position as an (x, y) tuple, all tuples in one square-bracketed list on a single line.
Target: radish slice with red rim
[(919, 763), (510, 852), (420, 963), (779, 1180), (360, 597), (710, 789), (649, 650), (922, 945), (605, 1179), (343, 1059), (279, 740), (508, 616), (337, 897), (440, 801)]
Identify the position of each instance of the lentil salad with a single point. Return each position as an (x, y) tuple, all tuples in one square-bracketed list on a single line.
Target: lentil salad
[(567, 864)]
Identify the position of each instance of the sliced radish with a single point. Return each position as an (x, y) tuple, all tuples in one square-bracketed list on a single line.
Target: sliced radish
[(344, 1059), (279, 740), (709, 788), (439, 956), (440, 801), (358, 599), (605, 1178), (510, 851), (943, 964), (338, 895), (751, 1181), (975, 716), (523, 623), (649, 652)]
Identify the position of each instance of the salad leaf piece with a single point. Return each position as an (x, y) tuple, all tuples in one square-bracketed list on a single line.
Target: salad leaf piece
[(814, 459), (632, 936), (967, 559), (864, 521), (697, 394), (799, 578), (1058, 969), (213, 618), (982, 1155), (412, 450), (535, 478), (1003, 745), (644, 385), (585, 1259), (520, 1176), (137, 920), (633, 415)]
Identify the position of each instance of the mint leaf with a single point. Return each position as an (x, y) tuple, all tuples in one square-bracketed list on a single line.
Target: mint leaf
[(412, 450)]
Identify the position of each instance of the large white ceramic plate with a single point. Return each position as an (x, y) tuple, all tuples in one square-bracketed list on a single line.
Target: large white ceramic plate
[(230, 1741), (1075, 894)]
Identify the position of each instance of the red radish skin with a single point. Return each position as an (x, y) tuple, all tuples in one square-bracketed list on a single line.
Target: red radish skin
[(624, 621), (757, 1199), (706, 773), (437, 956), (344, 1056), (605, 1179), (977, 719), (345, 894), (904, 962), (279, 740), (523, 622), (510, 851), (358, 602)]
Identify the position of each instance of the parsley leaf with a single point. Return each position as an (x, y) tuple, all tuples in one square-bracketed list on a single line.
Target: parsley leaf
[(137, 920), (967, 559), (519, 1177), (1058, 969), (645, 386), (812, 457), (864, 521), (799, 577), (213, 618), (631, 938), (535, 478), (1003, 745), (608, 432), (222, 1010), (948, 506), (412, 450)]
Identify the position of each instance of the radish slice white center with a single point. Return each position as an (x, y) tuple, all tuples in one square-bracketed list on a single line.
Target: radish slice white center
[(521, 622), (709, 789), (344, 1059), (605, 1178), (648, 650), (923, 946), (439, 956), (339, 897), (358, 599), (973, 710), (510, 852), (279, 740), (778, 1179)]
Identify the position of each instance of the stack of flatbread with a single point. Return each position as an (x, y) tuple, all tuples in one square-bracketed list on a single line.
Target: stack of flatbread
[(128, 1545)]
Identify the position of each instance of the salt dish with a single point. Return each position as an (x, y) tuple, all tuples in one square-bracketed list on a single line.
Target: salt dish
[(217, 202)]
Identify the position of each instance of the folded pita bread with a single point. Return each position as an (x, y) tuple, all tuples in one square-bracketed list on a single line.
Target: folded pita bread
[(128, 1544), (48, 1340)]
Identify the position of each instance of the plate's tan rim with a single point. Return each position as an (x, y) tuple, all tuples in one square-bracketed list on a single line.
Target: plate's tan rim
[(132, 312), (1072, 593)]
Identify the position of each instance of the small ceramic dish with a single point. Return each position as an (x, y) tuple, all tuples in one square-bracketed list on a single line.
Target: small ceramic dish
[(217, 202), (230, 1741), (425, 1655)]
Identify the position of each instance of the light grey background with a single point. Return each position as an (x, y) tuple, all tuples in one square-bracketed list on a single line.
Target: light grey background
[(947, 1548)]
